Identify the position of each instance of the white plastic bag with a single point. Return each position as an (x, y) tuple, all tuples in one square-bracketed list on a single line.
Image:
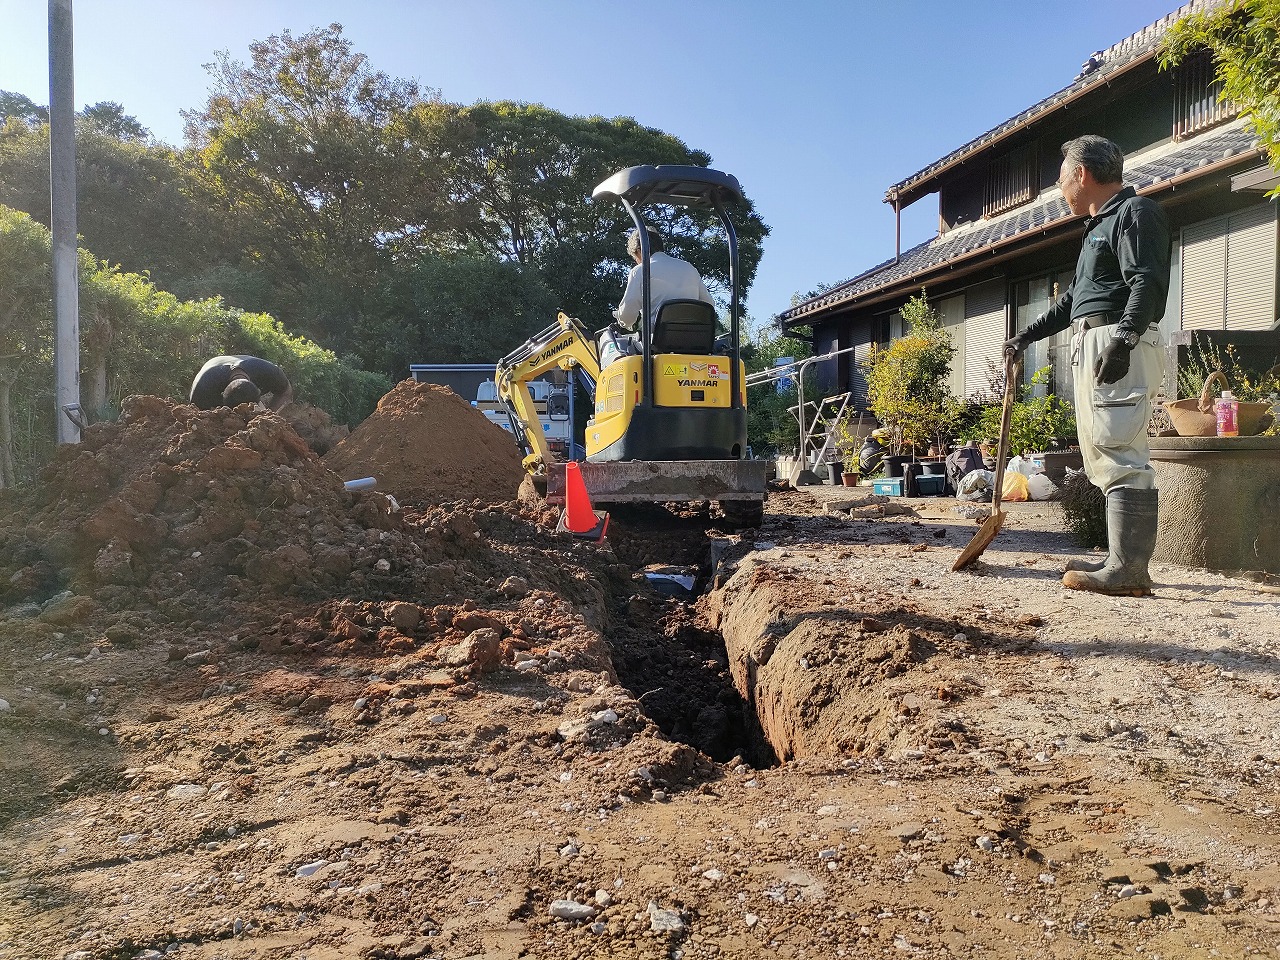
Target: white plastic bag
[(976, 486), (1041, 487)]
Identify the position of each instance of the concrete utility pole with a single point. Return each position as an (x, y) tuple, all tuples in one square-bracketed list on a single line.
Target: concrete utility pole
[(62, 189)]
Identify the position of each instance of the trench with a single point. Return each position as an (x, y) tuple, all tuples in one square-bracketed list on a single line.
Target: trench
[(670, 657)]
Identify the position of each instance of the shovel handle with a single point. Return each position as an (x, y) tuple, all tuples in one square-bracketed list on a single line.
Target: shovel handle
[(1011, 365)]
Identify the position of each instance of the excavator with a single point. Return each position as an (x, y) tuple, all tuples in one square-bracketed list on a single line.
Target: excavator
[(670, 423)]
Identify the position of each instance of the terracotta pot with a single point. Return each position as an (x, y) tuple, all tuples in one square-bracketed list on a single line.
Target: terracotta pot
[(850, 479)]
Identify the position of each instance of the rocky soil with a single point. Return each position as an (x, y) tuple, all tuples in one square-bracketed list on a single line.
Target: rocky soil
[(247, 714)]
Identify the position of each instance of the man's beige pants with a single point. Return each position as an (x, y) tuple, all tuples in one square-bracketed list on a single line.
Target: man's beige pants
[(1111, 419)]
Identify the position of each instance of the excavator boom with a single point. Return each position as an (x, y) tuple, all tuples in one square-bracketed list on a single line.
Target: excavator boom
[(564, 345)]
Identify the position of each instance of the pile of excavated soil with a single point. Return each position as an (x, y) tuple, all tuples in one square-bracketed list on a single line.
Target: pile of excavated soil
[(425, 444), (177, 508)]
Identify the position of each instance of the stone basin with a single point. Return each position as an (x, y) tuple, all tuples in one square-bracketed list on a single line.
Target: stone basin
[(1219, 502)]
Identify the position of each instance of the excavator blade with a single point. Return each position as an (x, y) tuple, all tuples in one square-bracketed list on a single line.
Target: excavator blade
[(657, 481)]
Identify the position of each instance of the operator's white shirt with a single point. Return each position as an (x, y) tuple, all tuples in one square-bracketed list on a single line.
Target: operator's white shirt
[(669, 279)]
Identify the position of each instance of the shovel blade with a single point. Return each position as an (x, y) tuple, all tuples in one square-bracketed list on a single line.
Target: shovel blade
[(981, 540)]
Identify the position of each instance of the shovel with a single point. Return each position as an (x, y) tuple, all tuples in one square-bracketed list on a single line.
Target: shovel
[(991, 526)]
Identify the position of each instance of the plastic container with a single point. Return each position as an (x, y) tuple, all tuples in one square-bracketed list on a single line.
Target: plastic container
[(1227, 409), (930, 485), (889, 487)]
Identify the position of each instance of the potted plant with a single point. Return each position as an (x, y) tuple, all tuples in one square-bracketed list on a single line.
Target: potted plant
[(1036, 423), (850, 476)]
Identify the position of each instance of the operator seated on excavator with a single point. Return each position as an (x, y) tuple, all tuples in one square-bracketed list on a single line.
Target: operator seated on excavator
[(669, 279)]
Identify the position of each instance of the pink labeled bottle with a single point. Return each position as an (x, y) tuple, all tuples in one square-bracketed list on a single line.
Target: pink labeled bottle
[(1227, 409)]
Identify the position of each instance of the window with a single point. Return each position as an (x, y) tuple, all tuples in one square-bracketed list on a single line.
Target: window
[(1198, 106), (1011, 181), (1032, 298)]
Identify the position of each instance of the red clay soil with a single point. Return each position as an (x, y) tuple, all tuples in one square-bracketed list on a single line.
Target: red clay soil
[(425, 444)]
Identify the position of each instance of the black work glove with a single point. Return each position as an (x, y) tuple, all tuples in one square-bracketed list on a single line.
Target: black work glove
[(1113, 362), (1015, 347)]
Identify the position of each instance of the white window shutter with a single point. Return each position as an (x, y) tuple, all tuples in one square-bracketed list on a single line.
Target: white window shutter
[(1251, 269)]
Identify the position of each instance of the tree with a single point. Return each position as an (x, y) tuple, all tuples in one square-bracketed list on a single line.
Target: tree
[(22, 109), (522, 176), (139, 205), (109, 119), (1244, 38), (771, 426), (302, 147)]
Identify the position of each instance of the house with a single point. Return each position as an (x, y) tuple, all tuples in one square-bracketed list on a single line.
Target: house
[(1006, 240)]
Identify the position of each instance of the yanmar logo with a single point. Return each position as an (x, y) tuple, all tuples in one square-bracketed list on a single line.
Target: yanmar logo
[(698, 383), (552, 350)]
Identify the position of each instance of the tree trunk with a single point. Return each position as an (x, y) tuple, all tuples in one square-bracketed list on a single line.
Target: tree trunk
[(6, 428), (97, 385)]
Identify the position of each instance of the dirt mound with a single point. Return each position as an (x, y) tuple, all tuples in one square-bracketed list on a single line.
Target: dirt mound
[(425, 444), (315, 426), (181, 508)]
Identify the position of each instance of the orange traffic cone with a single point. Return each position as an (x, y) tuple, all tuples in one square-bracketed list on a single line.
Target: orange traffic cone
[(578, 517)]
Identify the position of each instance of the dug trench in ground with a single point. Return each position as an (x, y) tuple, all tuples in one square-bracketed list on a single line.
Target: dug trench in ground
[(414, 742)]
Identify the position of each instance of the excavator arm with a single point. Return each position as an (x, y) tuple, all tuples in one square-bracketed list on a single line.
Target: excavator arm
[(564, 345)]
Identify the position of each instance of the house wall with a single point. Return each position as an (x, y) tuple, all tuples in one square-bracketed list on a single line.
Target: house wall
[(1137, 117)]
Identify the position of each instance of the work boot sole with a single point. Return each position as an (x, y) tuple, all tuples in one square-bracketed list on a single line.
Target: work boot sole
[(1078, 581)]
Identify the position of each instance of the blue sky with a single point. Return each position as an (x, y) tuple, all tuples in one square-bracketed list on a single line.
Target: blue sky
[(817, 106)]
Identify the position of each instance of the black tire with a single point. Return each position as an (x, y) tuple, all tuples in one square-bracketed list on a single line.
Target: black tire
[(743, 513)]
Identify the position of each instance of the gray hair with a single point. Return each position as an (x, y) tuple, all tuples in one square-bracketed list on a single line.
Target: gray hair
[(1102, 158), (655, 242)]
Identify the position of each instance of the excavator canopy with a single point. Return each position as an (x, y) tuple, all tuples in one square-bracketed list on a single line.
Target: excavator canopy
[(678, 185)]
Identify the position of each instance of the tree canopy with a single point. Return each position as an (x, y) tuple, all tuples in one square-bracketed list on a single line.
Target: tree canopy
[(1244, 38)]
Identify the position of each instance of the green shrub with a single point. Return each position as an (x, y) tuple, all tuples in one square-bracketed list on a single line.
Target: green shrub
[(1084, 508), (1034, 422), (907, 381)]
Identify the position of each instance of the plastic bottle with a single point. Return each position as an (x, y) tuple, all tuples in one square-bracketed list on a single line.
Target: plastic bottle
[(1227, 408)]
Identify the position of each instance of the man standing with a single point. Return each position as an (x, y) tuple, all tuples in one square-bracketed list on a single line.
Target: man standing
[(231, 381), (1113, 306), (669, 279)]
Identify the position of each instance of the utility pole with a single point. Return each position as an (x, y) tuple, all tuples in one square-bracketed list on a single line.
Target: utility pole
[(62, 188)]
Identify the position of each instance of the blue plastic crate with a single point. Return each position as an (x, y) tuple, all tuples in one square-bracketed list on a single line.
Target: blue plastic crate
[(890, 487)]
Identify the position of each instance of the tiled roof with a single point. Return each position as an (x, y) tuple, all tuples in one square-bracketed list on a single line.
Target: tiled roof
[(1208, 150), (1097, 69)]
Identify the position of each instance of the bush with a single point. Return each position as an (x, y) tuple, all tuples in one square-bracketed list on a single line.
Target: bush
[(1084, 508), (1034, 424), (319, 377)]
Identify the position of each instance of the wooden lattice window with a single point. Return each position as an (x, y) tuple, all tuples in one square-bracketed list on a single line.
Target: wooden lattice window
[(1011, 181), (1198, 91)]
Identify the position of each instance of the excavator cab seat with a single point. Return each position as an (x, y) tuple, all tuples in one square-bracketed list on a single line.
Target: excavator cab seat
[(685, 326)]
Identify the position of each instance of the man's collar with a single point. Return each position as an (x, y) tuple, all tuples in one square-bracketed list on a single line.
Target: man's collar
[(1119, 197)]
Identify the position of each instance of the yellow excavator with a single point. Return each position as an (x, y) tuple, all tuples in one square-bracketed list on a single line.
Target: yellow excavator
[(670, 423)]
